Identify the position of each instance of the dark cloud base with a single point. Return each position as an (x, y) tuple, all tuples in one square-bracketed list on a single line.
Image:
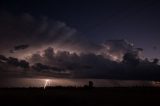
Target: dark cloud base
[(71, 65)]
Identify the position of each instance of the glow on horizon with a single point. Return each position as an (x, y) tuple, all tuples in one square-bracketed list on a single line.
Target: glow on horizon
[(46, 83)]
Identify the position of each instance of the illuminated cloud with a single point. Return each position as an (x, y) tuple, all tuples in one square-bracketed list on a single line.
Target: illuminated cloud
[(63, 64), (91, 65), (41, 32), (55, 49), (36, 32)]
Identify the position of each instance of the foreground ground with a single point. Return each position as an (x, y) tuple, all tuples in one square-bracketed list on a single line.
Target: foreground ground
[(80, 96)]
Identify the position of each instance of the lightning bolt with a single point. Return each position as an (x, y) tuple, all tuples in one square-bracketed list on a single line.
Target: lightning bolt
[(46, 83)]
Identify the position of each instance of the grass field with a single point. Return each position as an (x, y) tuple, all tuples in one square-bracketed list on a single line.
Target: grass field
[(70, 96)]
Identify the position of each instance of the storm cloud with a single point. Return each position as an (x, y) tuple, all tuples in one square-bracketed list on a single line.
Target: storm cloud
[(42, 32), (72, 65), (37, 32), (55, 49), (90, 65)]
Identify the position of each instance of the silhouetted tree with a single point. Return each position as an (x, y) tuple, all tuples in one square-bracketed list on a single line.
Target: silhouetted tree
[(90, 84)]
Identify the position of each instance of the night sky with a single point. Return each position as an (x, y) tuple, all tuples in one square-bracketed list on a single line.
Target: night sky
[(136, 21), (104, 39)]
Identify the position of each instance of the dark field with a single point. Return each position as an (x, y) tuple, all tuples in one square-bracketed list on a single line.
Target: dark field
[(70, 96)]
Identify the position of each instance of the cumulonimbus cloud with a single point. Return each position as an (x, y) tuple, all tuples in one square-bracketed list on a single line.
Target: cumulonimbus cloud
[(58, 48), (41, 32), (97, 66)]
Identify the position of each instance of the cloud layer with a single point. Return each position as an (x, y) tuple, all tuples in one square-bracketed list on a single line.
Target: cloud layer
[(52, 48), (97, 66), (41, 32), (70, 65)]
